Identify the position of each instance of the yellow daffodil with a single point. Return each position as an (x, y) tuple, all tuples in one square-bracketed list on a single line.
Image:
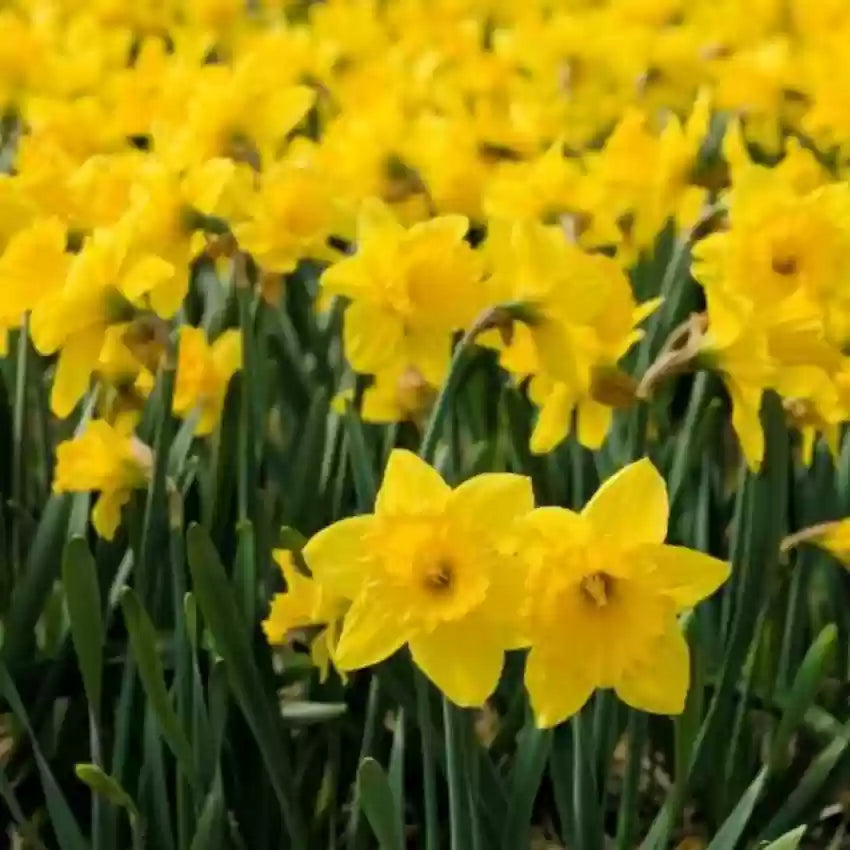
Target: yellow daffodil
[(582, 318), (204, 371), (304, 603), (432, 568), (397, 396), (410, 289), (294, 214), (32, 268), (104, 280), (778, 310), (105, 460), (603, 596)]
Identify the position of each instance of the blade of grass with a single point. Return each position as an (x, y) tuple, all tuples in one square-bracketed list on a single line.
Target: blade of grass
[(222, 615), (733, 828), (809, 677), (143, 642), (534, 748), (367, 744), (429, 769), (379, 805), (459, 826), (67, 830)]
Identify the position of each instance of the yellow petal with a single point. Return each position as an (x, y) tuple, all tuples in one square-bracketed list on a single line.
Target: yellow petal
[(429, 352), (321, 652), (554, 421), (371, 632), (226, 353), (492, 502), (746, 405), (462, 658), (77, 361), (203, 186), (505, 597), (555, 525), (376, 222), (659, 684), (557, 353), (147, 274), (411, 486), (348, 277), (594, 421), (371, 337), (631, 506), (684, 575), (337, 555), (106, 515), (558, 684), (381, 403)]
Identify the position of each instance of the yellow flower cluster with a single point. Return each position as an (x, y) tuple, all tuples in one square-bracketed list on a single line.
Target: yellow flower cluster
[(438, 157), (462, 575), (777, 285)]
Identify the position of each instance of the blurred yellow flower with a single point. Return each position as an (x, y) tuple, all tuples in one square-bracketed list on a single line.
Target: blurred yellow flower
[(104, 282), (105, 460), (32, 267), (304, 603), (410, 289), (293, 215), (204, 371)]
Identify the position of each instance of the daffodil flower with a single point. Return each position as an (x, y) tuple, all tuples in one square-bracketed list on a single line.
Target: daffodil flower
[(604, 592), (106, 460), (432, 568)]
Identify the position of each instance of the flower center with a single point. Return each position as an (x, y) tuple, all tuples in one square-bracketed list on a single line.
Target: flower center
[(439, 578), (597, 589), (786, 265)]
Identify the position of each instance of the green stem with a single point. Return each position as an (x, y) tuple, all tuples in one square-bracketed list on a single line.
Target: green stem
[(156, 496), (20, 446), (366, 747), (458, 815), (627, 815), (688, 430), (429, 770), (247, 560), (585, 807), (673, 296), (434, 428)]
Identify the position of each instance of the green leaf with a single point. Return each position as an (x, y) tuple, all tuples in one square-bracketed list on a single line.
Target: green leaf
[(107, 786), (303, 713), (245, 572), (361, 461), (82, 596), (370, 725), (733, 828), (379, 806), (308, 446), (64, 824), (560, 769), (143, 641), (291, 539), (808, 787), (789, 841), (211, 823), (34, 586), (155, 794), (156, 500), (809, 676), (213, 593), (533, 749), (396, 768)]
